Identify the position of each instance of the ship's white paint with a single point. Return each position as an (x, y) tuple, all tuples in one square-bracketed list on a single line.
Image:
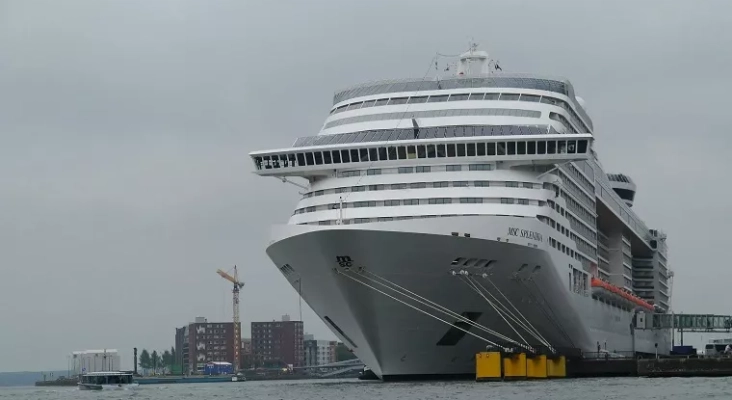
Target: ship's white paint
[(394, 339), (418, 250)]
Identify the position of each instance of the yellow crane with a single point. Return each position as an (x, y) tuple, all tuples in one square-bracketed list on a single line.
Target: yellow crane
[(237, 334)]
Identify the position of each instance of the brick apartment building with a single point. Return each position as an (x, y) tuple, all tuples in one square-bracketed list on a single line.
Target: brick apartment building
[(278, 343), (201, 341)]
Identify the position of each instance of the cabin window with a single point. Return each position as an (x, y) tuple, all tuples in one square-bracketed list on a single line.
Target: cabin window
[(491, 149), (309, 158), (480, 147), (530, 97), (437, 99), (476, 96), (300, 159), (345, 156), (318, 158), (582, 146), (451, 150), (354, 106), (542, 147), (452, 168), (405, 170), (511, 148), (509, 97), (392, 153), (402, 152), (364, 154), (439, 184), (382, 154), (440, 150), (336, 157), (411, 152), (368, 103), (423, 169), (431, 151), (398, 100), (417, 100), (470, 149), (421, 152), (571, 147), (521, 148), (491, 96), (501, 148), (459, 97), (551, 147), (531, 147), (461, 149), (373, 154), (373, 172), (562, 147), (381, 102), (326, 157), (354, 155)]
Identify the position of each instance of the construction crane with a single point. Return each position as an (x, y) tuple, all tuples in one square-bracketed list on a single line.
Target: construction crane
[(237, 334)]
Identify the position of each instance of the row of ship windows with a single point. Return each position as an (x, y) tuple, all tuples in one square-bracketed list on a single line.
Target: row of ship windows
[(576, 191), (458, 112), (418, 169), (439, 98), (582, 244), (579, 210), (441, 150), (415, 202), (387, 219), (424, 185), (588, 185)]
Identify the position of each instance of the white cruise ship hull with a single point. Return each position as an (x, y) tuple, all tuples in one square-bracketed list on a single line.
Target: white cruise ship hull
[(396, 340)]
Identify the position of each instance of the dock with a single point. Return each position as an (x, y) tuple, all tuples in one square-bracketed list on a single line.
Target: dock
[(498, 366)]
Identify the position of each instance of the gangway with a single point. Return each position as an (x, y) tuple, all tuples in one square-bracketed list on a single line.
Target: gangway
[(684, 322)]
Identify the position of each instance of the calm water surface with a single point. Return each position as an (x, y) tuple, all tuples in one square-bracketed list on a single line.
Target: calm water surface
[(575, 389)]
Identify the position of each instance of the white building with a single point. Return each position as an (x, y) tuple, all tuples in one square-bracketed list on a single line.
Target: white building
[(94, 361), (319, 352)]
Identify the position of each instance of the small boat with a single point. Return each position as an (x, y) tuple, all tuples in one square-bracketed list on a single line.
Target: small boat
[(107, 380)]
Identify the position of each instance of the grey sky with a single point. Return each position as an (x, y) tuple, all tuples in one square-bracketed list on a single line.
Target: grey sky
[(125, 127)]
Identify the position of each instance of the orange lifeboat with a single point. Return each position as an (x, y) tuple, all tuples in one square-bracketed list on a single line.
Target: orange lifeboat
[(596, 282)]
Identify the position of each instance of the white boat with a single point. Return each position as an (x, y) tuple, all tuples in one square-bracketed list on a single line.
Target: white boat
[(107, 380), (443, 215)]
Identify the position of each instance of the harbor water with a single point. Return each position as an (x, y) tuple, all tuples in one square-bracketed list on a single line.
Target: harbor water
[(570, 389)]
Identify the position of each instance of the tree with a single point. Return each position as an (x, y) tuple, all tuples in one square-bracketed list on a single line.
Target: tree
[(343, 353), (167, 359), (155, 358), (145, 361)]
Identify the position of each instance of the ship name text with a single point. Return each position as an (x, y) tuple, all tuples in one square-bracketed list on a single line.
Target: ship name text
[(525, 233)]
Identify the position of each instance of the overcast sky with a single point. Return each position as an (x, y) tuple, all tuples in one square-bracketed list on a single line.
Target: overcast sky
[(125, 128)]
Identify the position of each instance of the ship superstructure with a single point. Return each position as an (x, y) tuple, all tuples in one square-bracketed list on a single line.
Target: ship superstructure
[(442, 215)]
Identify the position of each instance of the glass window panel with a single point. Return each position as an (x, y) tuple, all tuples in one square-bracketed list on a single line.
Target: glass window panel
[(398, 100), (373, 154), (438, 99), (417, 100), (458, 97)]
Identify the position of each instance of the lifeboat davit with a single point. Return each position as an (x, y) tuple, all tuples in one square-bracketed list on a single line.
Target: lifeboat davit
[(599, 283)]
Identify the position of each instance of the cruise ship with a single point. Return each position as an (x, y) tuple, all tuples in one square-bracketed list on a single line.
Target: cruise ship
[(445, 215)]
